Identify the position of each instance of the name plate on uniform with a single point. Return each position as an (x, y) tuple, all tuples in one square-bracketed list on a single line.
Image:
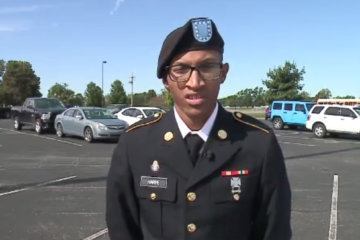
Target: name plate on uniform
[(154, 182)]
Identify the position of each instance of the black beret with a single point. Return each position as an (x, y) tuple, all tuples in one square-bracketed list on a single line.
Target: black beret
[(196, 34)]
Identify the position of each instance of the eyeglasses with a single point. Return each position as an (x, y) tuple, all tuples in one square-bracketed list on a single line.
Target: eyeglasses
[(182, 72)]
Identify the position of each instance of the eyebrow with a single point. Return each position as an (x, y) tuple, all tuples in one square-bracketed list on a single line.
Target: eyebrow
[(207, 60)]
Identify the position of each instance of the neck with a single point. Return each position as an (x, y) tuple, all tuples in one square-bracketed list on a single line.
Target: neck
[(194, 121)]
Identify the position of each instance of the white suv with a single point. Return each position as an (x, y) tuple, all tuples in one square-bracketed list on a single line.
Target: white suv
[(333, 119)]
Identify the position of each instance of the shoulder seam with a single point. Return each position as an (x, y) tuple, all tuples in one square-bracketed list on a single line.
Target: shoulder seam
[(146, 123), (250, 124)]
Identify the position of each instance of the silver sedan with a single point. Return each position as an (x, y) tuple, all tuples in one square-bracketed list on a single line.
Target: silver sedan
[(90, 123)]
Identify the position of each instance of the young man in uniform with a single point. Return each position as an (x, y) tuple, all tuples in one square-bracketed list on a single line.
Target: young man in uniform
[(198, 171)]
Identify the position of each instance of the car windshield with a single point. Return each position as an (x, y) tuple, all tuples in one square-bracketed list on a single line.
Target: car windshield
[(48, 103), (309, 106), (150, 112), (98, 113), (357, 109)]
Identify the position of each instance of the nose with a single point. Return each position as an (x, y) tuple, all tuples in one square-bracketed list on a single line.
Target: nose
[(195, 80)]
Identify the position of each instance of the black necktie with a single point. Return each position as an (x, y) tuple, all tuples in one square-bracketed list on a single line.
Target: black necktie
[(194, 144)]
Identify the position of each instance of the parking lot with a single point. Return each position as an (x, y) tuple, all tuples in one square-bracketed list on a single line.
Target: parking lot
[(53, 188)]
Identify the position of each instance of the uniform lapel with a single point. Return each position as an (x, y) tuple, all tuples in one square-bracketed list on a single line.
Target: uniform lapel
[(218, 150), (173, 151)]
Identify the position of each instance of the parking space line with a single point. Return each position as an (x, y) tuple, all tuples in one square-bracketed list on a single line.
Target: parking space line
[(44, 137), (96, 235), (333, 213), (37, 185), (301, 144)]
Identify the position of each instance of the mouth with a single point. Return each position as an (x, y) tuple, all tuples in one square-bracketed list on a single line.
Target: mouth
[(194, 99)]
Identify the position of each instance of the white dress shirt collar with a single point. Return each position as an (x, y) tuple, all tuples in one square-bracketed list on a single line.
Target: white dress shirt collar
[(204, 132)]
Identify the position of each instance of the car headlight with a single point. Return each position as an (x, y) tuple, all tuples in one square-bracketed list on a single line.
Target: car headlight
[(101, 126), (45, 116)]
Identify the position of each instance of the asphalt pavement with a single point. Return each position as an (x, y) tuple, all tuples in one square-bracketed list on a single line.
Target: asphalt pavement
[(52, 188)]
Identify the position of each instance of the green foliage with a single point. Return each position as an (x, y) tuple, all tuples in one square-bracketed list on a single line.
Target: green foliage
[(167, 98), (246, 98), (231, 101), (2, 67), (144, 98), (20, 82), (117, 93), (66, 95), (93, 95), (284, 82), (345, 97), (323, 94)]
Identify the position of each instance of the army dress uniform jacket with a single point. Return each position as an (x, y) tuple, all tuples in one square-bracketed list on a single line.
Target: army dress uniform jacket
[(238, 189)]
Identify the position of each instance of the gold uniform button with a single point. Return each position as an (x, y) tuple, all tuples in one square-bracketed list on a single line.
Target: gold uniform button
[(191, 196), (191, 227), (236, 197), (153, 196)]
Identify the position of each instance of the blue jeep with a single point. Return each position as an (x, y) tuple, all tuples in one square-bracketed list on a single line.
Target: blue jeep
[(290, 113)]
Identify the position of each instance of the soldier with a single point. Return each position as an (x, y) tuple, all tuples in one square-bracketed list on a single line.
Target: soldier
[(198, 171)]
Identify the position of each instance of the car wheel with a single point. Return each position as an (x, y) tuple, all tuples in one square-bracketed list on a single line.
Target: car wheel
[(319, 130), (59, 130), (278, 123), (17, 124), (88, 135), (38, 126)]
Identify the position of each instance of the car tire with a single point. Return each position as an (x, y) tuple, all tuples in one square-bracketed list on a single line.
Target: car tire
[(278, 123), (88, 135), (17, 124), (59, 130), (38, 126), (319, 130)]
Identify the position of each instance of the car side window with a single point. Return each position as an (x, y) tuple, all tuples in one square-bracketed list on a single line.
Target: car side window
[(300, 108), (69, 113), (334, 111), (128, 112), (317, 109), (78, 113), (277, 106), (288, 106), (347, 113), (137, 112)]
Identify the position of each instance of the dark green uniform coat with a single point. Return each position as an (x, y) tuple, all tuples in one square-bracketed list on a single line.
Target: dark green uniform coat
[(175, 200)]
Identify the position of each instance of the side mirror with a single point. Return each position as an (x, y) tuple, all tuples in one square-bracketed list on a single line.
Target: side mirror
[(79, 117), (140, 116)]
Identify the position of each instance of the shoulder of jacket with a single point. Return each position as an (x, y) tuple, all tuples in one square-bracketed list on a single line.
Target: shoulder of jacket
[(250, 121), (146, 122)]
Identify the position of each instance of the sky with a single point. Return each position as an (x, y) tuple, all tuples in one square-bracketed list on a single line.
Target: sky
[(67, 41)]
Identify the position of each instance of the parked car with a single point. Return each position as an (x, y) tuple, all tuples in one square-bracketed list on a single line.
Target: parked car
[(5, 111), (37, 112), (289, 113), (325, 119), (133, 114), (115, 108), (90, 123)]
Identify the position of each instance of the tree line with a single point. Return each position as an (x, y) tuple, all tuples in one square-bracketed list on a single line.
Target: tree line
[(19, 81)]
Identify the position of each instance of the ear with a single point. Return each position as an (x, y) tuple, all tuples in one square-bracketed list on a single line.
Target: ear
[(165, 82), (224, 71)]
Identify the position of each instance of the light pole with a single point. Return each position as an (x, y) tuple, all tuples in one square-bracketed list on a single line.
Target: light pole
[(102, 82), (132, 88)]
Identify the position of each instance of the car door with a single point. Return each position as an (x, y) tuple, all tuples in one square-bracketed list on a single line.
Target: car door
[(299, 114), (66, 121), (332, 119), (288, 113), (348, 120), (78, 123)]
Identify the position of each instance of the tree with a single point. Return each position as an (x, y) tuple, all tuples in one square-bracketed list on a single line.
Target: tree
[(284, 82), (117, 93), (323, 94), (168, 100), (2, 68), (61, 92), (20, 82), (77, 100), (345, 97), (93, 95)]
